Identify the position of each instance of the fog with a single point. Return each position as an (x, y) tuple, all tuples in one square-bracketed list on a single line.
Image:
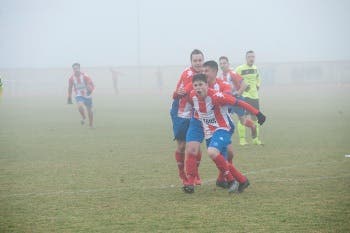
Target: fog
[(47, 33)]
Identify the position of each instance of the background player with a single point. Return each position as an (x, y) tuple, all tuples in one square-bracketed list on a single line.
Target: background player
[(250, 74), (238, 87), (83, 88)]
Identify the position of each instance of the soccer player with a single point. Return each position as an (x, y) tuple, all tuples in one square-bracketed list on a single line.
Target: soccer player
[(212, 109), (181, 111), (210, 69), (83, 88), (250, 74), (238, 87), (195, 135)]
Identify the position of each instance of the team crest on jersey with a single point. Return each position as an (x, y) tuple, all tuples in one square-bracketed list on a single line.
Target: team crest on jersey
[(219, 94)]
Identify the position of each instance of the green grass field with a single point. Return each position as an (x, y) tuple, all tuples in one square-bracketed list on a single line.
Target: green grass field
[(57, 176)]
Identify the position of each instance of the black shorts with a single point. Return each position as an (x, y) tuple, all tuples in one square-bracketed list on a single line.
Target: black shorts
[(252, 102)]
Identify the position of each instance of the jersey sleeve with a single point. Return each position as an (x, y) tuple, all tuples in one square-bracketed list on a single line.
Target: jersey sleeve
[(238, 70), (226, 87), (220, 98), (247, 107)]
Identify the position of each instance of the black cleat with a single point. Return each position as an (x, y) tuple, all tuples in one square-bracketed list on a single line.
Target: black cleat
[(188, 188), (233, 187), (243, 186), (222, 184)]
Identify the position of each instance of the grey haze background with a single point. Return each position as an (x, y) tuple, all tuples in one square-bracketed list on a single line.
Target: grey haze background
[(47, 33)]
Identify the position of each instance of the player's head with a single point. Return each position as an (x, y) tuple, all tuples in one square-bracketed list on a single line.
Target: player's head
[(200, 84), (210, 69), (250, 57), (197, 59), (224, 63), (76, 68)]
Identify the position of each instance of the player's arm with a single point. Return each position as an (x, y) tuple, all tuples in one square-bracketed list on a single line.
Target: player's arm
[(223, 99), (179, 92), (258, 81), (70, 89), (90, 85), (239, 82), (242, 88)]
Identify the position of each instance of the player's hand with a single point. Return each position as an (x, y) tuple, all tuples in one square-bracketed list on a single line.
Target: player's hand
[(261, 118), (69, 101), (181, 91)]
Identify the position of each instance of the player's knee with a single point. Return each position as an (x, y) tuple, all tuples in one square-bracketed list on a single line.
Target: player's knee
[(181, 146), (192, 148), (213, 152)]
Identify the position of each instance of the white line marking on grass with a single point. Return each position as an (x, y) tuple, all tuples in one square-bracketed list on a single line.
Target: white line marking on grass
[(204, 182)]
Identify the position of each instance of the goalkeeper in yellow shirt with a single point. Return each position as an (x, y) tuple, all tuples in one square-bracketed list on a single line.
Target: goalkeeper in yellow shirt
[(250, 74)]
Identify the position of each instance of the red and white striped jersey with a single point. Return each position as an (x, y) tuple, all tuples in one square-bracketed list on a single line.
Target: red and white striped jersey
[(213, 110), (82, 85), (185, 108), (233, 79)]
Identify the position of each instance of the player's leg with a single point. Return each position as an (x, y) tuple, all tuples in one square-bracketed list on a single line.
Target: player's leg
[(216, 151), (180, 126), (180, 160), (194, 138), (81, 109), (255, 104), (241, 124), (88, 105)]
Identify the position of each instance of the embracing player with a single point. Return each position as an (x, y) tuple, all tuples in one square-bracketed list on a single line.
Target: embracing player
[(212, 109), (181, 113)]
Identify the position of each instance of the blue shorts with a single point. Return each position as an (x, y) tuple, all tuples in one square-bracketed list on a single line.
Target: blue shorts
[(86, 101), (235, 109), (220, 140), (195, 131), (180, 125)]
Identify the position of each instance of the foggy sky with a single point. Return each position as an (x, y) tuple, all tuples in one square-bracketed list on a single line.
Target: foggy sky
[(51, 33)]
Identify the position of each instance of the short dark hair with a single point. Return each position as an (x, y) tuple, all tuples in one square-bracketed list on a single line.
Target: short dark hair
[(223, 58), (199, 77), (212, 64), (250, 51), (195, 52), (75, 64)]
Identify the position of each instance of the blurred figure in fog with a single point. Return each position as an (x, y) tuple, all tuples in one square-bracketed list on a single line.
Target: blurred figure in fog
[(115, 79), (83, 88)]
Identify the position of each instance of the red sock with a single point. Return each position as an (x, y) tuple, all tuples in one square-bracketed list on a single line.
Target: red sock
[(180, 159), (249, 123), (191, 168), (237, 174), (222, 165)]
